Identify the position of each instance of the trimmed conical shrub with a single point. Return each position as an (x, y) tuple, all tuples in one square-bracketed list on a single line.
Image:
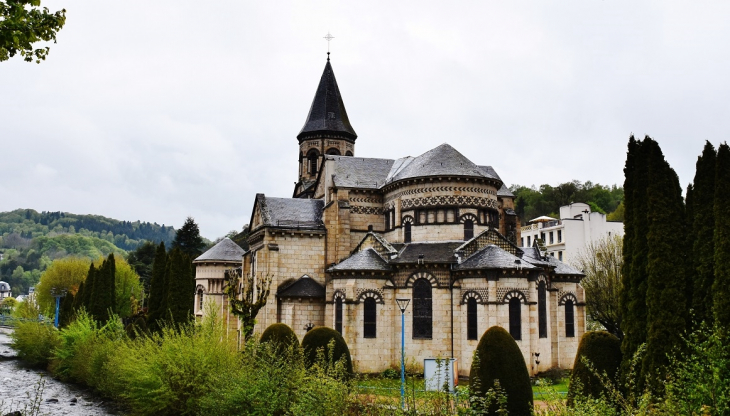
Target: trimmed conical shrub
[(499, 358), (281, 335), (320, 337), (603, 350)]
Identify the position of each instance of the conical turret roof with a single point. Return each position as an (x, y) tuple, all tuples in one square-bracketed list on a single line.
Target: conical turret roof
[(327, 114)]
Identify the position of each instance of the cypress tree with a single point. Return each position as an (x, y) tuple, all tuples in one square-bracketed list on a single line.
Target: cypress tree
[(188, 239), (88, 300), (66, 313), (78, 299), (158, 290), (181, 286), (633, 296), (666, 301), (721, 285), (703, 226)]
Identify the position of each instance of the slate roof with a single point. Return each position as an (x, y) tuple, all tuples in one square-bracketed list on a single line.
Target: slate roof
[(488, 170), (532, 255), (433, 252), (225, 250), (291, 212), (562, 268), (327, 113), (493, 257), (504, 191), (365, 260), (304, 287), (443, 160), (357, 172)]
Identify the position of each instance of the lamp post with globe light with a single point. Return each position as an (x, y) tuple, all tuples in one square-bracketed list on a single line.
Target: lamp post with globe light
[(402, 304)]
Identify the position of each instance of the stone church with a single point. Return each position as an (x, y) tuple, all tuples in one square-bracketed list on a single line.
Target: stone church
[(437, 229)]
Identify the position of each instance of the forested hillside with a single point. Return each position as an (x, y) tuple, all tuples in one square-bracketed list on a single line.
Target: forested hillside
[(30, 240), (532, 202)]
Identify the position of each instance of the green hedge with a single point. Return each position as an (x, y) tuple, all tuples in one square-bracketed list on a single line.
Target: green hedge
[(320, 337), (498, 357), (603, 351), (281, 335)]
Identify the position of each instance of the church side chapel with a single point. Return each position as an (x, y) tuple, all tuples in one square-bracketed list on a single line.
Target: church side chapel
[(438, 229)]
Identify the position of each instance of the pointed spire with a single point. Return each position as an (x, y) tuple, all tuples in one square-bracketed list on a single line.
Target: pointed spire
[(327, 116)]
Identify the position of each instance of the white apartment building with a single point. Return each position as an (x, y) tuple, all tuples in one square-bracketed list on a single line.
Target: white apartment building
[(564, 238)]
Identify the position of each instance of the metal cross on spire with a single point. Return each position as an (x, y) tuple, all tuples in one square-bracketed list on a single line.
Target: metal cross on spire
[(329, 38)]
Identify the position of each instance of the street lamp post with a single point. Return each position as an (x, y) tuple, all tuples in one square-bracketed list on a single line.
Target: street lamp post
[(402, 304), (58, 294)]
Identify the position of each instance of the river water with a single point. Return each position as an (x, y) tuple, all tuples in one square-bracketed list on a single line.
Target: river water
[(19, 388)]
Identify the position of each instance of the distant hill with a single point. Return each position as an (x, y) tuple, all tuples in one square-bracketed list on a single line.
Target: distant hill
[(31, 240)]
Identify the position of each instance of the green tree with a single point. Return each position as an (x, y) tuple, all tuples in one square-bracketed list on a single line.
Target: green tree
[(667, 309), (104, 292), (721, 285), (23, 23), (702, 229), (633, 295), (180, 288), (64, 274), (188, 239), (158, 289), (141, 260)]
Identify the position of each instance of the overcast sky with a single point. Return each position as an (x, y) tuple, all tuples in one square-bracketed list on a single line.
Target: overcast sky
[(159, 110)]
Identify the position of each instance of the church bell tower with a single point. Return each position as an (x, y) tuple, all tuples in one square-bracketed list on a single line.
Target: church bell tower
[(327, 131)]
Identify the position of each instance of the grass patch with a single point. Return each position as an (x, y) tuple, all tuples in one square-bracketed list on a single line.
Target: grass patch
[(544, 388)]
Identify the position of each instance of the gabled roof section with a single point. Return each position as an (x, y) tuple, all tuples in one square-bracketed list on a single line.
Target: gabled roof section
[(378, 243), (443, 160), (358, 172), (288, 212), (304, 287), (532, 255), (365, 260), (225, 250), (432, 252), (493, 257), (489, 237), (327, 113)]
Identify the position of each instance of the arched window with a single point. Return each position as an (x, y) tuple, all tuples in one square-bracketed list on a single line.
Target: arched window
[(338, 315), (471, 319), (541, 310), (407, 232), (312, 159), (369, 318), (422, 309), (348, 153), (515, 318), (569, 319), (333, 151), (468, 229), (200, 300)]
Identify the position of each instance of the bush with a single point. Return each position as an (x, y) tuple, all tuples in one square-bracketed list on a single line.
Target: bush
[(498, 357), (602, 350), (35, 342), (320, 338), (280, 335)]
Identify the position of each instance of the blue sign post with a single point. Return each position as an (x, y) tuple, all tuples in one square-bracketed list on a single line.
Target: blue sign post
[(402, 304)]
